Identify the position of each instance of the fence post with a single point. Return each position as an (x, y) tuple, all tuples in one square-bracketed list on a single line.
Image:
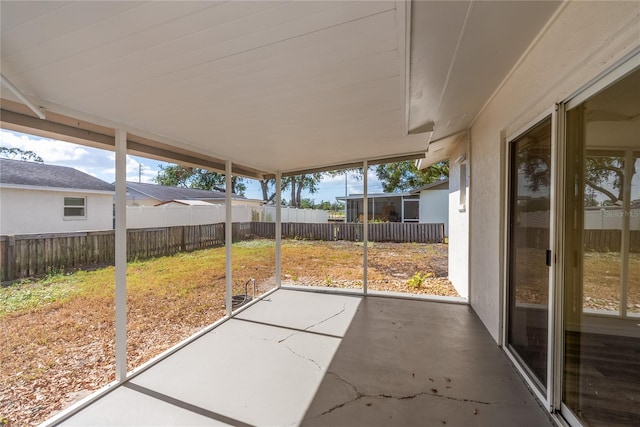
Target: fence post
[(11, 258)]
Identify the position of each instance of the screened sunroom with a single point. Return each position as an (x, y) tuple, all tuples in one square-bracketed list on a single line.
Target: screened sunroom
[(534, 105)]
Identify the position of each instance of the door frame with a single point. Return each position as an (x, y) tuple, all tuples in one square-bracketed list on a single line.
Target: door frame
[(548, 396), (624, 67), (552, 397)]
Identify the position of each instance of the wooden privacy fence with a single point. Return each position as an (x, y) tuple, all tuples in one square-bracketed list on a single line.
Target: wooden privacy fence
[(378, 232), (593, 240), (610, 240), (36, 254)]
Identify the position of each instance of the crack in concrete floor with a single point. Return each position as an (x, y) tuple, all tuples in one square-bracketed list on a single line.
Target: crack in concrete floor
[(344, 307), (303, 357), (359, 395), (281, 341)]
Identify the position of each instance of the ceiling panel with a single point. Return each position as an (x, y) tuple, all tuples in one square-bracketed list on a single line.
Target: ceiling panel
[(462, 51), (435, 30), (493, 41), (15, 14), (292, 67), (55, 24), (95, 42)]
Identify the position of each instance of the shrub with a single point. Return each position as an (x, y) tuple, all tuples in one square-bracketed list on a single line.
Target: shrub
[(418, 279)]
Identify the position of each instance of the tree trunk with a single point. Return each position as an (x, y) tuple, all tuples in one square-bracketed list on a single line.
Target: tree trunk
[(299, 192), (292, 203), (265, 190)]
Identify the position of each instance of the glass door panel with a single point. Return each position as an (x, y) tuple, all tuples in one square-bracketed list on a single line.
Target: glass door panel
[(601, 381), (603, 223), (529, 220)]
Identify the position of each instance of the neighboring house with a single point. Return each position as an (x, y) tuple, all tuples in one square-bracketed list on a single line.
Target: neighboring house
[(152, 205), (143, 194), (40, 198), (427, 204)]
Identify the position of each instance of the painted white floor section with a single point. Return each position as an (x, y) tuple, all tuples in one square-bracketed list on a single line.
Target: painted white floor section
[(261, 368)]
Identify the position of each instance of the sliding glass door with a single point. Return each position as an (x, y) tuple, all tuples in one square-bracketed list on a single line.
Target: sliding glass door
[(601, 325), (528, 255)]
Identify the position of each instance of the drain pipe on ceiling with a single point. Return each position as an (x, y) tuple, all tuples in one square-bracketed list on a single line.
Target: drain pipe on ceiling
[(21, 97)]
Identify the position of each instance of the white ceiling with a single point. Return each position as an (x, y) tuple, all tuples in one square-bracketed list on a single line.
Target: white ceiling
[(272, 85), (461, 51)]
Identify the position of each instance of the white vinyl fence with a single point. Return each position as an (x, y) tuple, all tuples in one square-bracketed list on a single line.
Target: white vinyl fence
[(174, 215), (307, 216), (610, 219)]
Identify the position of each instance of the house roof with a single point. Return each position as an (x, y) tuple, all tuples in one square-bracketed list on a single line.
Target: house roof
[(373, 196), (23, 173), (442, 184), (437, 185), (186, 202), (165, 193)]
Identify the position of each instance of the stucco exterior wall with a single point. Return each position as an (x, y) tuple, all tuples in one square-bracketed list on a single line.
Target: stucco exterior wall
[(434, 208), (458, 223), (584, 40), (25, 211)]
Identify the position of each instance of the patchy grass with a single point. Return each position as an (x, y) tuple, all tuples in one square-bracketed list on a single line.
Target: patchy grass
[(391, 266), (27, 295), (601, 278), (602, 272), (57, 333)]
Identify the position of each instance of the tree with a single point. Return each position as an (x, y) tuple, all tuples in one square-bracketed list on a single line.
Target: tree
[(325, 206), (266, 185), (188, 177), (535, 163), (19, 154), (307, 203), (297, 183), (605, 175), (405, 176)]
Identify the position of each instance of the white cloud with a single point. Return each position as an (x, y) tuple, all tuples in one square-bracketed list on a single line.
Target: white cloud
[(143, 169), (51, 151), (93, 161), (101, 164)]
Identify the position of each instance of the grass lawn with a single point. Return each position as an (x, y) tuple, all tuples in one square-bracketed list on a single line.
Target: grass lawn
[(602, 281), (58, 332)]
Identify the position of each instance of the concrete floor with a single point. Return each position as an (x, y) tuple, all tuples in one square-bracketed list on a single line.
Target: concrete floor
[(415, 363), (319, 359)]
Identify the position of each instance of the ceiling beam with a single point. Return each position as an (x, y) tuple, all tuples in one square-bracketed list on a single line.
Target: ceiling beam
[(353, 165), (84, 133)]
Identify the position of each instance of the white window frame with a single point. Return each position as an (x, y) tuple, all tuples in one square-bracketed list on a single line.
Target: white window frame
[(74, 217), (414, 200), (463, 186)]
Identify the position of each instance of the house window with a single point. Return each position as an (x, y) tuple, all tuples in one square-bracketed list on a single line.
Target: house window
[(75, 207), (411, 210)]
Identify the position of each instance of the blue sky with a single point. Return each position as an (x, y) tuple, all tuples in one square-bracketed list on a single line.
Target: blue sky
[(101, 164)]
